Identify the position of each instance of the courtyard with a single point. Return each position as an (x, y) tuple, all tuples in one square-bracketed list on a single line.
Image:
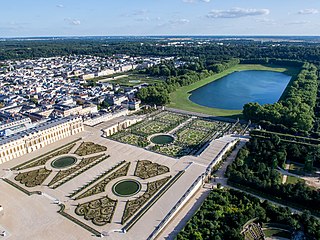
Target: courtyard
[(87, 185)]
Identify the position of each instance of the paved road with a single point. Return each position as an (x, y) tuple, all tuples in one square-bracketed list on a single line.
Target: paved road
[(223, 181), (184, 215)]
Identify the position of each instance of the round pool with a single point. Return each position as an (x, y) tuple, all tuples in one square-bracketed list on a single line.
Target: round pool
[(162, 139), (126, 188), (63, 162)]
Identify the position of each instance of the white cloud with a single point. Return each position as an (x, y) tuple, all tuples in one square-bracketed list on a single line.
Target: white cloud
[(237, 13), (71, 21), (308, 11), (59, 6)]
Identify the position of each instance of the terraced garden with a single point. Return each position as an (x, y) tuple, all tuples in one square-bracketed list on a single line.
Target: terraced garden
[(152, 127), (189, 133), (37, 176), (189, 136), (171, 117), (171, 150), (192, 136)]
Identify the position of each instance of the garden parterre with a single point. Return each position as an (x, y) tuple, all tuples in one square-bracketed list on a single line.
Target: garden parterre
[(101, 210), (190, 133)]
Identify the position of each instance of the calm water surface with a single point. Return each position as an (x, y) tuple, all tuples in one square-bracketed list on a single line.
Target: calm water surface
[(233, 91)]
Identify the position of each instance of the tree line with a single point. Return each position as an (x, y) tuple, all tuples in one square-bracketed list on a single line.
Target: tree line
[(211, 51), (294, 113), (256, 167), (224, 212)]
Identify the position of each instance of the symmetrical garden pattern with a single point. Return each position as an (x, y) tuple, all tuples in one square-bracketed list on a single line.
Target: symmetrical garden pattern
[(65, 173), (37, 176), (189, 133), (99, 211), (100, 187), (42, 160), (130, 138)]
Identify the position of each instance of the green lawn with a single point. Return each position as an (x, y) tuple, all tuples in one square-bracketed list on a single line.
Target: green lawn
[(127, 79), (277, 233), (293, 180), (180, 98), (135, 79)]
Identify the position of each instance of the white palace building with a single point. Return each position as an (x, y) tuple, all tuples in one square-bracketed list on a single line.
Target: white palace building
[(16, 145)]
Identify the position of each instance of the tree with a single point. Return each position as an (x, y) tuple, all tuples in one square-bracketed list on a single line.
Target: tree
[(196, 236)]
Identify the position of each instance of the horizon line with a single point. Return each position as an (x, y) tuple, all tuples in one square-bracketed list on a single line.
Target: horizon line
[(160, 35)]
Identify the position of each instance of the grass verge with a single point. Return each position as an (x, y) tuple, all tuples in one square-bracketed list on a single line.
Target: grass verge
[(180, 98)]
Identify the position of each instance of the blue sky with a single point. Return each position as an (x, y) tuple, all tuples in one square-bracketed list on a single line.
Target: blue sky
[(159, 17)]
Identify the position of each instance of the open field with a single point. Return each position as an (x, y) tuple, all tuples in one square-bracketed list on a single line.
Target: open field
[(180, 98), (127, 79), (293, 180), (274, 232), (135, 79)]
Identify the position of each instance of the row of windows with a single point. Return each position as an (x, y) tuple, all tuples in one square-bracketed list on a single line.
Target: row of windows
[(19, 150)]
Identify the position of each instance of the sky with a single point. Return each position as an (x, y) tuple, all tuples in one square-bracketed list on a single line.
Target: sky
[(35, 18)]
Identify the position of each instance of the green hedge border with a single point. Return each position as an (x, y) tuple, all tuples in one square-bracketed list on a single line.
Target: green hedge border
[(21, 188), (78, 222), (150, 203), (96, 179), (80, 171)]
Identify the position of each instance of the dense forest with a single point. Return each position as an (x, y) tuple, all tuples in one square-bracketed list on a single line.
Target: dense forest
[(224, 212), (211, 52), (256, 167)]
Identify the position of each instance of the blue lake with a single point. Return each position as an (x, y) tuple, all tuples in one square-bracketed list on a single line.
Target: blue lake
[(236, 89)]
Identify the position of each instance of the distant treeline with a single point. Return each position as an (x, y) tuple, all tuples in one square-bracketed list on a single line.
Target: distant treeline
[(209, 52)]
